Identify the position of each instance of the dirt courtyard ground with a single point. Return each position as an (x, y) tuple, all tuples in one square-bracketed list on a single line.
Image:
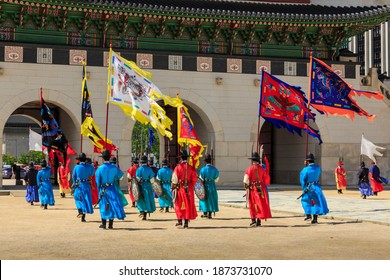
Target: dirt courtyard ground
[(31, 233)]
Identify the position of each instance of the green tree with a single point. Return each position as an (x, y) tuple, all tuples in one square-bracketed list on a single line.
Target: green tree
[(35, 156), (140, 142), (9, 159)]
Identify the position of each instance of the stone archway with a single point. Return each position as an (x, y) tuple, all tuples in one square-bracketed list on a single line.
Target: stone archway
[(286, 152), (22, 103)]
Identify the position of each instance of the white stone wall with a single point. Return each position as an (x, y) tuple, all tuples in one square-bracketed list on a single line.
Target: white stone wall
[(227, 113)]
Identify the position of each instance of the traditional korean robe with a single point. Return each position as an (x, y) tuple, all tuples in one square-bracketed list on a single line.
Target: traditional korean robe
[(313, 200)]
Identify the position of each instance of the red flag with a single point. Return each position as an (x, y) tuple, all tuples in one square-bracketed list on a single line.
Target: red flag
[(285, 106), (187, 135)]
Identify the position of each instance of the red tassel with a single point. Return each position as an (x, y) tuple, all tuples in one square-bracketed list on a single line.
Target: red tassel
[(313, 202)]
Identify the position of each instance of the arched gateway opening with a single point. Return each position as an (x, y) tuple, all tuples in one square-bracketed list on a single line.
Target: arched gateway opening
[(287, 152), (30, 109)]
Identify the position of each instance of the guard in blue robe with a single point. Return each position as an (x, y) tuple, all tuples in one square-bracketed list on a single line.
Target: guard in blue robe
[(110, 205), (45, 191), (82, 193), (164, 175), (145, 177), (117, 185), (313, 200), (209, 175), (364, 181), (31, 184)]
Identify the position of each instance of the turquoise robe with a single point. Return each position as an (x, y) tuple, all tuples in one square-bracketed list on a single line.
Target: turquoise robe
[(145, 201), (164, 175), (118, 189), (208, 174)]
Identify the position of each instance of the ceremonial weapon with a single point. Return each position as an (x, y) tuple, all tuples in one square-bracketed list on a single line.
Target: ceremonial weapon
[(100, 197), (304, 192)]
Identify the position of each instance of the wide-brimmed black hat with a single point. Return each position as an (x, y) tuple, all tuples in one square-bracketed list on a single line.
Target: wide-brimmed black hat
[(43, 163), (31, 164), (255, 156), (136, 160), (165, 162), (183, 154), (144, 159), (81, 157), (310, 157), (106, 154), (208, 158)]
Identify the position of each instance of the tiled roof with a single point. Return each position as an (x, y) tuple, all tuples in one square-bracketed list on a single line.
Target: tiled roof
[(245, 8)]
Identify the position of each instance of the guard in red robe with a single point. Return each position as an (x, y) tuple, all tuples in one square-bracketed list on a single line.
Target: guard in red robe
[(256, 180), (94, 188), (340, 175), (130, 175), (184, 179)]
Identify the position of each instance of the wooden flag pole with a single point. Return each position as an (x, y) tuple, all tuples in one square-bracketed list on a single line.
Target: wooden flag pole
[(308, 106), (108, 103), (259, 114)]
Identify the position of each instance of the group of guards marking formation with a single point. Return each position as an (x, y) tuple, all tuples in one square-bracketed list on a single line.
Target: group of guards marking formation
[(99, 186)]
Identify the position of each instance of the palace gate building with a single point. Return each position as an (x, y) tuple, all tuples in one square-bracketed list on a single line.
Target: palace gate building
[(209, 52)]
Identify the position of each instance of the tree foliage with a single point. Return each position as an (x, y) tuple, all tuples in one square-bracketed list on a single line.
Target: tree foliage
[(35, 156), (9, 159), (140, 141)]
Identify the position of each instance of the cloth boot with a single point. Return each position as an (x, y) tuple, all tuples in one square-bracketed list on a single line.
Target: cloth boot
[(83, 218), (314, 221), (104, 223), (80, 214), (308, 217), (185, 224), (253, 223), (110, 223), (258, 222), (179, 223), (167, 210), (209, 215), (144, 216)]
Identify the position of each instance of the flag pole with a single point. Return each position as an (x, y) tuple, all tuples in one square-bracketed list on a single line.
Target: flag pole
[(308, 105), (259, 114), (40, 101), (108, 94), (82, 99)]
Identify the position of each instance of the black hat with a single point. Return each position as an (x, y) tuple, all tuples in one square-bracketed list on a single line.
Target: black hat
[(106, 155), (165, 162), (113, 160), (255, 156), (81, 157), (43, 163), (151, 161), (183, 154), (310, 157), (208, 158), (31, 164), (136, 160), (362, 164), (144, 159)]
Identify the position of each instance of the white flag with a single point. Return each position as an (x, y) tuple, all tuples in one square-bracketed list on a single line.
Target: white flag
[(34, 141), (370, 149)]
